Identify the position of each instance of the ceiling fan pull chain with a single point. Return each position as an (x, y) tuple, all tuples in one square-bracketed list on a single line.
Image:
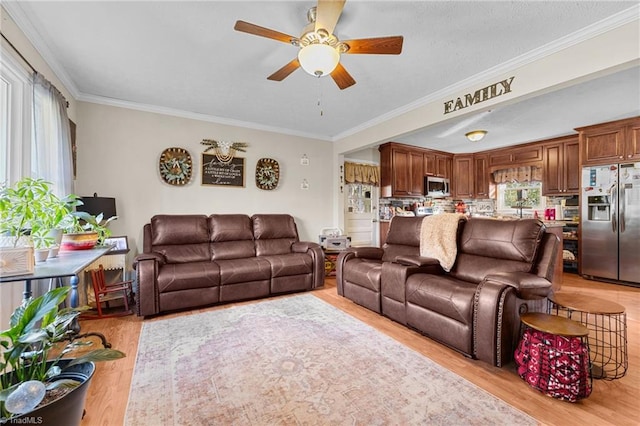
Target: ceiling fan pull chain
[(320, 97)]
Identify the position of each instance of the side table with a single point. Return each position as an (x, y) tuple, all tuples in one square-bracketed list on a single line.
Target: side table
[(553, 356), (607, 324)]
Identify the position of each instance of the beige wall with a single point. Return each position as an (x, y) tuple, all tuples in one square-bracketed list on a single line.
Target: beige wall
[(119, 149)]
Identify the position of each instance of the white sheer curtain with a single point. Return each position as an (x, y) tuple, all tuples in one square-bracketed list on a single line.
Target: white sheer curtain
[(51, 143)]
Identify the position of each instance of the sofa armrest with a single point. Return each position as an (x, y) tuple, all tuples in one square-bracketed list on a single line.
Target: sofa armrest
[(149, 256), (304, 246), (317, 255), (147, 298), (416, 261), (528, 286), (367, 252)]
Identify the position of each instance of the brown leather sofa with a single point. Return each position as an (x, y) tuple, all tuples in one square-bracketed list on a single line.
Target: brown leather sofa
[(195, 260), (502, 269)]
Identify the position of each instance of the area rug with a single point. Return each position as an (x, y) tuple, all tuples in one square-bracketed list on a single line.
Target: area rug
[(295, 361)]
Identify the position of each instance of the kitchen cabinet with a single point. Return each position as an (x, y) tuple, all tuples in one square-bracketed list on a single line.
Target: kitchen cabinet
[(403, 167), (561, 166), (470, 176), (438, 164), (463, 176), (482, 176), (401, 171), (524, 155), (612, 142)]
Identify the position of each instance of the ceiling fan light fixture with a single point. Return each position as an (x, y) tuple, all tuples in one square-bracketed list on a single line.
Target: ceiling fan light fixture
[(476, 135), (318, 59)]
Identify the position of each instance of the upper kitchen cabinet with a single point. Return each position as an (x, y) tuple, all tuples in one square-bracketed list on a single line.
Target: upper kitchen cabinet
[(482, 176), (471, 176), (561, 166), (612, 142), (523, 155), (401, 171), (438, 164), (463, 176)]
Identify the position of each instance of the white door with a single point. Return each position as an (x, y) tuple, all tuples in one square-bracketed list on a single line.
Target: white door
[(361, 214)]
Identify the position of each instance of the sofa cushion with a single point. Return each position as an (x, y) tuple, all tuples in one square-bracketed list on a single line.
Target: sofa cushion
[(442, 294), (403, 238), (180, 238), (284, 265), (185, 276), (179, 229), (274, 233), (230, 227), (489, 246), (364, 272), (232, 250), (243, 270)]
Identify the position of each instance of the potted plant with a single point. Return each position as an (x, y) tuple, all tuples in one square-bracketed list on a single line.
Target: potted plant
[(84, 231), (28, 211), (38, 379)]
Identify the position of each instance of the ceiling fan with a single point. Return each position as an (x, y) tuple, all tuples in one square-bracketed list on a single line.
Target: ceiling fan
[(319, 49)]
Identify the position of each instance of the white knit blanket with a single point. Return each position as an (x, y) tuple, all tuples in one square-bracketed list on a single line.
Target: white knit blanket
[(438, 238)]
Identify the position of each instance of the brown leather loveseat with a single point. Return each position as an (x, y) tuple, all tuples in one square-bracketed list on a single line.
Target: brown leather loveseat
[(197, 260), (502, 269)]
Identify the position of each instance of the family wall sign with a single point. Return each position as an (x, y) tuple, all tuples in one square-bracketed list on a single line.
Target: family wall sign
[(491, 91)]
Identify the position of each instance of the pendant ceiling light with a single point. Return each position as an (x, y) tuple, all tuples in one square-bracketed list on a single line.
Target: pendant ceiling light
[(318, 59), (476, 135)]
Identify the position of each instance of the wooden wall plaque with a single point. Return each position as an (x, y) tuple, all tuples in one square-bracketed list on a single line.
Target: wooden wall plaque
[(216, 172)]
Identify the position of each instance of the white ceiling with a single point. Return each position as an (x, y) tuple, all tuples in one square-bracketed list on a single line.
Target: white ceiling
[(185, 58)]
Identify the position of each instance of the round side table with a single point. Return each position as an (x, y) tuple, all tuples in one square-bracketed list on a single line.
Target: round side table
[(607, 324), (553, 356)]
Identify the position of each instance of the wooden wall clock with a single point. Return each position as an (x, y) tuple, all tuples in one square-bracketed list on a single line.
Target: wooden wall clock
[(175, 166), (267, 173)]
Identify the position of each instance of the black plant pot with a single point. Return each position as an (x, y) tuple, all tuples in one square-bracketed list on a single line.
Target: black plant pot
[(66, 411)]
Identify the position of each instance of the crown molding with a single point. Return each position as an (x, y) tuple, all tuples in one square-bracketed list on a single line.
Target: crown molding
[(17, 13), (195, 116)]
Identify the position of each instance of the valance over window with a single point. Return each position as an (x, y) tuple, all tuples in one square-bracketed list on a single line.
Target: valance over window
[(361, 173), (518, 174)]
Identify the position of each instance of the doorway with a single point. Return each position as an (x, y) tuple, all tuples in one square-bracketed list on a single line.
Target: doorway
[(361, 214)]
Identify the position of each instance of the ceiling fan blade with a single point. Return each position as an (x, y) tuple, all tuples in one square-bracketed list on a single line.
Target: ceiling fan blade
[(284, 72), (379, 45), (246, 27), (327, 14), (342, 78)]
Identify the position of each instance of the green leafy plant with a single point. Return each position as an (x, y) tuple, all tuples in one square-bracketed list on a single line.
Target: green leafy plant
[(31, 208), (85, 222), (38, 329)]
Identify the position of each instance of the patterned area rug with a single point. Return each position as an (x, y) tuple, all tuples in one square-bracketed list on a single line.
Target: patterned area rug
[(295, 361)]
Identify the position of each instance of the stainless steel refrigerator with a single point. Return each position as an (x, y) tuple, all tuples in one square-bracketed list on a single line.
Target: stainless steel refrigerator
[(610, 222)]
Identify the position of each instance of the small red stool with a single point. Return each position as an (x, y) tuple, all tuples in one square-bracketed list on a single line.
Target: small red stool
[(553, 356)]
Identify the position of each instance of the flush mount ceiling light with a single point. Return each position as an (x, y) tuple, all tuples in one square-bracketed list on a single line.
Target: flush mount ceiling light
[(476, 135), (318, 59)]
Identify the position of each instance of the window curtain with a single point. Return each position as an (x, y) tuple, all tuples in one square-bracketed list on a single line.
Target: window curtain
[(361, 173), (518, 174), (51, 142)]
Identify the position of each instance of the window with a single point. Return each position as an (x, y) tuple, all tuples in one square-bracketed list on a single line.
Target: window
[(15, 118), (514, 195)]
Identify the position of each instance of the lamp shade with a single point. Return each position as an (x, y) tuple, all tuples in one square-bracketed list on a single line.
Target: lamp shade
[(476, 135), (318, 59)]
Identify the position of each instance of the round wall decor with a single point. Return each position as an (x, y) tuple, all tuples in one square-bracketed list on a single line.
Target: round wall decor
[(267, 173), (175, 166)]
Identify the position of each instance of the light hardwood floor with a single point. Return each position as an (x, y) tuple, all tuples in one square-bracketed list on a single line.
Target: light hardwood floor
[(614, 402)]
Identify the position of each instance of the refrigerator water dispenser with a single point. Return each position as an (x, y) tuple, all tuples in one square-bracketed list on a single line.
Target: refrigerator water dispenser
[(599, 208)]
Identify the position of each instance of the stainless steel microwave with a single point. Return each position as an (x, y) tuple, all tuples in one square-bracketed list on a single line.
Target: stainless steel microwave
[(436, 187)]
